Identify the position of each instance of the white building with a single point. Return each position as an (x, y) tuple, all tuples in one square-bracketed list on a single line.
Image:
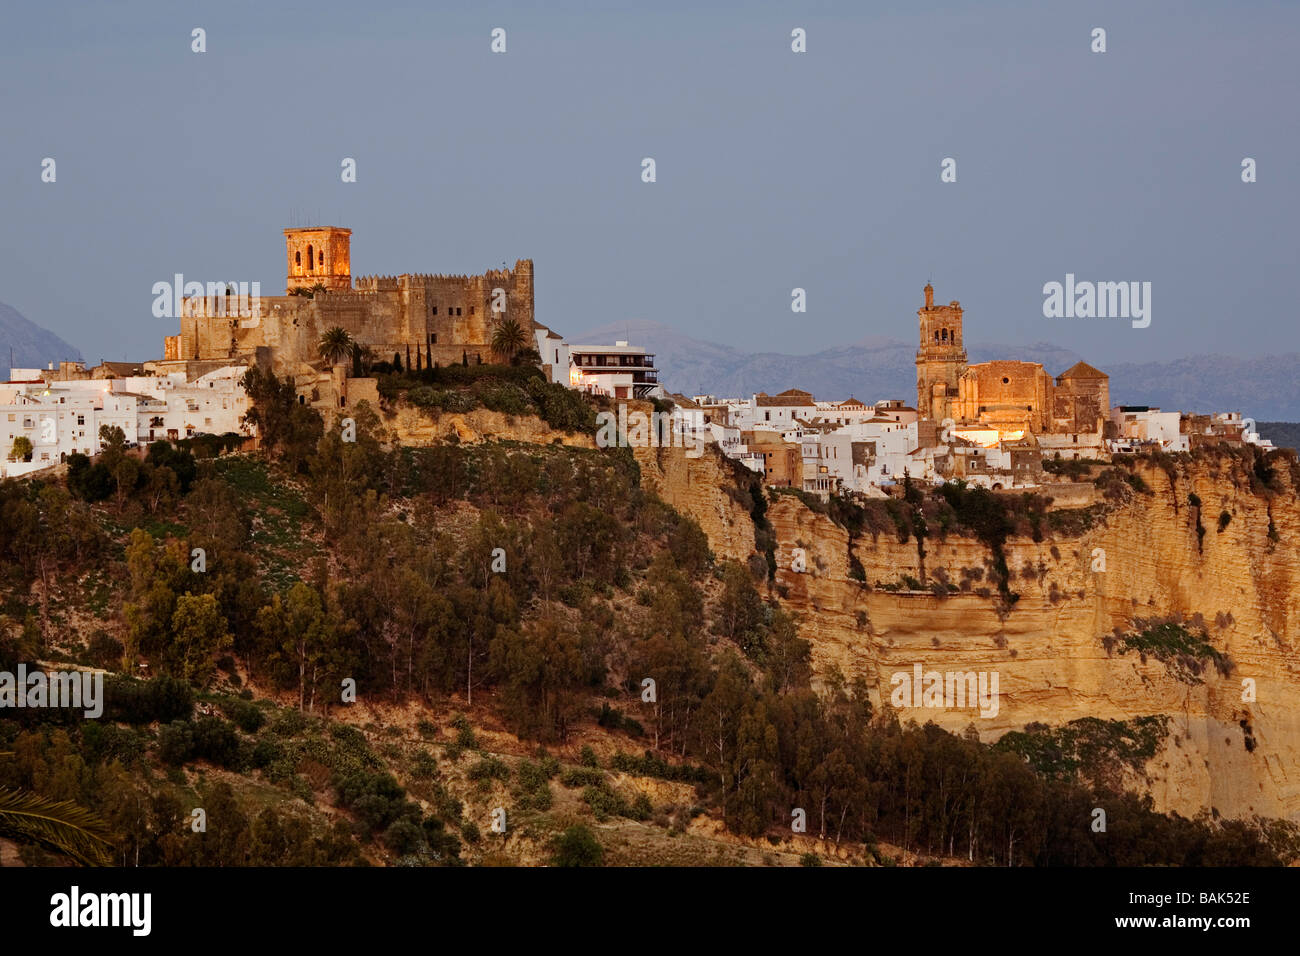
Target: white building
[(61, 418), (619, 370)]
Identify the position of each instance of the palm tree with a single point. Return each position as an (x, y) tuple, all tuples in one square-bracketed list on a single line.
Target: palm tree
[(335, 345), (508, 339), (57, 825)]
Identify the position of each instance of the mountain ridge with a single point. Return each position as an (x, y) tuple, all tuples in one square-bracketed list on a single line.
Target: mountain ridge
[(875, 367), (33, 346)]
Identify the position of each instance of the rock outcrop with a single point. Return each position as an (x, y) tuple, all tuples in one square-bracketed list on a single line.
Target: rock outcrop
[(1056, 650)]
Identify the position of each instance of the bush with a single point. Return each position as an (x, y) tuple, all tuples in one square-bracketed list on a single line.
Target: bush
[(587, 757), (404, 838), (163, 699), (247, 717), (215, 740), (489, 768), (577, 846), (576, 777), (604, 802), (176, 743)]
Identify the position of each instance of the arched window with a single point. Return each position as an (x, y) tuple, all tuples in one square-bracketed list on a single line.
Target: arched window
[(936, 335), (309, 259), (944, 336), (297, 258)]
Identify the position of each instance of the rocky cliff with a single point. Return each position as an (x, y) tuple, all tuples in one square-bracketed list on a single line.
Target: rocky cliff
[(1069, 646)]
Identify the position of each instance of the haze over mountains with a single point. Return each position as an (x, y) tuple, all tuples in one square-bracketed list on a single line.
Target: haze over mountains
[(1263, 388), (33, 346)]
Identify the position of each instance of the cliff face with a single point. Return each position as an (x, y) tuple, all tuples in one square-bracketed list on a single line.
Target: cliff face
[(1054, 651), (698, 487), (414, 426)]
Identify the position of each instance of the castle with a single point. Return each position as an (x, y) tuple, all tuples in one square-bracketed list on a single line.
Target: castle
[(1013, 399), (420, 318)]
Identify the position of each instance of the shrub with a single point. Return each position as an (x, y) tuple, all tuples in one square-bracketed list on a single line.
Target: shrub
[(577, 846), (247, 717), (576, 777), (489, 768), (176, 743)]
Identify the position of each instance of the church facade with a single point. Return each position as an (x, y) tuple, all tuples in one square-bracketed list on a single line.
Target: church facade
[(1014, 399)]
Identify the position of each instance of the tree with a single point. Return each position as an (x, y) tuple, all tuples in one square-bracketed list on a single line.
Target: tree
[(508, 339), (57, 825), (335, 345), (22, 450), (287, 427), (307, 638), (198, 632)]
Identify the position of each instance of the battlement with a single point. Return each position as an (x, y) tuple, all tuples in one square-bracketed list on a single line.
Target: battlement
[(440, 315), (377, 283)]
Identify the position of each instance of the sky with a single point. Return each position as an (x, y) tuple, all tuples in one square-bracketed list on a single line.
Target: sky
[(775, 170)]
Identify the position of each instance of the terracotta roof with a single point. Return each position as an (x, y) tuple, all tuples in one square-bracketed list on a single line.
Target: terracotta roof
[(1082, 370), (791, 396)]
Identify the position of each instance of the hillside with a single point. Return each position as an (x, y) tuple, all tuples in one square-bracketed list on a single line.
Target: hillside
[(498, 606)]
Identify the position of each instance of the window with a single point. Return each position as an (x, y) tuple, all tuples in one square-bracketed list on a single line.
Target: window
[(297, 258), (471, 310), (435, 310), (81, 419), (309, 259), (433, 338), (458, 311)]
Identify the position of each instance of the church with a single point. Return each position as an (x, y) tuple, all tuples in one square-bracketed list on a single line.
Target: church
[(1006, 400)]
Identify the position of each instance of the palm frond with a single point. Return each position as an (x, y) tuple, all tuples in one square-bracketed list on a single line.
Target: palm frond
[(57, 825)]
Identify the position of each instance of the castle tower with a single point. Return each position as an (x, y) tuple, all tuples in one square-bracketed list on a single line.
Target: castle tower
[(319, 256), (941, 358)]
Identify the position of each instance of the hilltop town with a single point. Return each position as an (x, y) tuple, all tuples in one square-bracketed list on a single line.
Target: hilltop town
[(441, 503), (997, 424)]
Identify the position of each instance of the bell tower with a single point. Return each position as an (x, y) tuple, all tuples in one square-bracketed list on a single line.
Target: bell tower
[(941, 358), (319, 255)]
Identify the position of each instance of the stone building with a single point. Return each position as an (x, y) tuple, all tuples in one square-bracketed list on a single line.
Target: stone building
[(1012, 398), (430, 318)]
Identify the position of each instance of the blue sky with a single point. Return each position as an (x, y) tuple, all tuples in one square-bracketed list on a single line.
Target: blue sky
[(775, 170)]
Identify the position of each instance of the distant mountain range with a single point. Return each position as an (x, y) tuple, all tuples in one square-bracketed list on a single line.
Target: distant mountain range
[(33, 346), (1264, 388)]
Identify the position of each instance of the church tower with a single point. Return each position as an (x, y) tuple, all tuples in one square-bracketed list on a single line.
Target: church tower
[(319, 256), (941, 358)]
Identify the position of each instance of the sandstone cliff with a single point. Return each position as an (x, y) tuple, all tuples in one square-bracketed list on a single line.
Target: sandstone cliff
[(409, 425), (700, 487), (1054, 650)]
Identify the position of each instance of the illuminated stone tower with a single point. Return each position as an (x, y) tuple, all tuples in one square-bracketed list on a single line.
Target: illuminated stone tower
[(941, 358), (319, 256)]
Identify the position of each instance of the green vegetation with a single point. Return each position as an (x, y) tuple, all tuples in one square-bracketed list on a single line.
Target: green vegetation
[(1184, 652), (510, 389), (534, 587)]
